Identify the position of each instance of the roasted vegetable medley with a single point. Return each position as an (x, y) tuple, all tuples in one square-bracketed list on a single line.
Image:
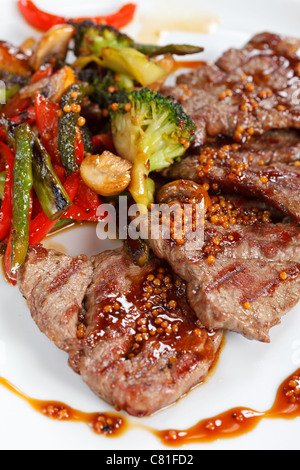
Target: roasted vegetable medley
[(84, 120)]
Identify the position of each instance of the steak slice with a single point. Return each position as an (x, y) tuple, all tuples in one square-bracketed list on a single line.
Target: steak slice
[(54, 286), (144, 347), (265, 168), (247, 91), (132, 336), (243, 278)]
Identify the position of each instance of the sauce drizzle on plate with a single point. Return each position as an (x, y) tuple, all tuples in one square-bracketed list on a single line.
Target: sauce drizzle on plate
[(230, 424)]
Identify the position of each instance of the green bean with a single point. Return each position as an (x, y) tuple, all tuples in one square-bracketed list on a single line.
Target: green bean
[(22, 187)]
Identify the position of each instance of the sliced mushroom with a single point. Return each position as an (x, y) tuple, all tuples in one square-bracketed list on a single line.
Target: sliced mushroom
[(54, 43), (52, 87), (180, 190), (13, 60), (28, 46), (107, 174)]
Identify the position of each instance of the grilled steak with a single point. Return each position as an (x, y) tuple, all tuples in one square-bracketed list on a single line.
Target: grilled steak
[(244, 276), (55, 285), (247, 91), (266, 168), (142, 338), (129, 331)]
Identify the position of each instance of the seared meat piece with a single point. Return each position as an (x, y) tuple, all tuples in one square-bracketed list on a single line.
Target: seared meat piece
[(248, 90), (129, 331), (243, 278), (54, 286), (143, 347), (265, 168)]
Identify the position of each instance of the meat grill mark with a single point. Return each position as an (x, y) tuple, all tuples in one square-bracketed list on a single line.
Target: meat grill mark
[(155, 344), (269, 288), (253, 263), (132, 336), (247, 91), (55, 315), (227, 276), (64, 276)]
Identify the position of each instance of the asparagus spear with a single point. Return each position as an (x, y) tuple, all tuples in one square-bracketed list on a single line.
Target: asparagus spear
[(176, 49)]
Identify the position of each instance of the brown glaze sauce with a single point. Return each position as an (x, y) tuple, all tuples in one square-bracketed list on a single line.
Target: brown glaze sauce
[(227, 425), (240, 420), (108, 424), (155, 310)]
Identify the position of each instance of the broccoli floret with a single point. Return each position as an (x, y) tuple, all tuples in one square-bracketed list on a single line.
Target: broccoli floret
[(151, 131), (129, 61), (113, 50), (112, 88), (91, 38)]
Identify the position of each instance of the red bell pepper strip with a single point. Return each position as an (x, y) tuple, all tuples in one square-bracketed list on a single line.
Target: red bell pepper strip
[(86, 197), (2, 133), (42, 73), (119, 19), (77, 212), (15, 106), (47, 122), (44, 21), (6, 208), (86, 203), (41, 225), (103, 142), (61, 173), (25, 116), (38, 18)]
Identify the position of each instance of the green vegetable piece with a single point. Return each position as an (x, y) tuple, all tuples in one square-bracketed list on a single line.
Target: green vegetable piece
[(152, 134), (91, 38), (10, 86), (133, 63), (174, 49), (67, 126), (66, 141), (22, 186), (7, 93), (111, 88), (52, 196)]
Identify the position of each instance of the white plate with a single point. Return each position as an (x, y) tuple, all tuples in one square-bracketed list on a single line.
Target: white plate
[(248, 373)]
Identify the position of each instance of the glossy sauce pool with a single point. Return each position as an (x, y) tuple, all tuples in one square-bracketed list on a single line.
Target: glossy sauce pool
[(230, 424)]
